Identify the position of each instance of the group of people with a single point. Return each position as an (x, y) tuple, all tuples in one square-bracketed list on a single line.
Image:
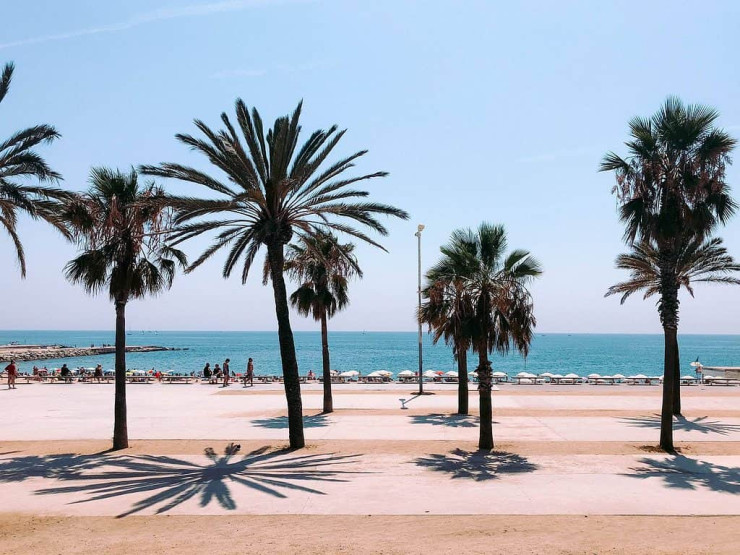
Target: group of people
[(224, 372)]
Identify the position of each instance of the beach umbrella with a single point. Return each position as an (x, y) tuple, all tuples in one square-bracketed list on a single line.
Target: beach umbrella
[(374, 375), (384, 373), (495, 374), (594, 376), (687, 377), (349, 374), (405, 373), (556, 376), (523, 375), (430, 374), (618, 376), (476, 373), (572, 376), (696, 364), (546, 375), (334, 372), (639, 377), (451, 373)]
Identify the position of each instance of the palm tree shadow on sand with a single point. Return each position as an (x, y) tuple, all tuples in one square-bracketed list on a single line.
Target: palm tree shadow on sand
[(700, 424), (686, 473), (172, 481), (281, 422), (451, 420), (477, 465)]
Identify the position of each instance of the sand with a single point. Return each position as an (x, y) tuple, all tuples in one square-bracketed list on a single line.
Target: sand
[(312, 534)]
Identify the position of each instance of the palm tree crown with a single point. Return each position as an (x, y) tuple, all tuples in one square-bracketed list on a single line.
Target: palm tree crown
[(273, 189), (698, 261), (496, 284), (673, 180), (323, 267), (19, 162), (121, 226)]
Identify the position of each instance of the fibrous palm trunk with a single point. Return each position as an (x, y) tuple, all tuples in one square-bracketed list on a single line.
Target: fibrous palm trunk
[(677, 382), (328, 402), (462, 379), (668, 307), (120, 424), (485, 440), (291, 380)]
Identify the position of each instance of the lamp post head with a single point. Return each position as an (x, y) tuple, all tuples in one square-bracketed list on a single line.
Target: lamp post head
[(420, 228)]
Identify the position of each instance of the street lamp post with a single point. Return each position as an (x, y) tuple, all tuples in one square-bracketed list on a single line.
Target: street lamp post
[(419, 229)]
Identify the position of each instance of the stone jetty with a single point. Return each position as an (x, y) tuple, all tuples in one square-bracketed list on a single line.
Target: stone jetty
[(42, 352)]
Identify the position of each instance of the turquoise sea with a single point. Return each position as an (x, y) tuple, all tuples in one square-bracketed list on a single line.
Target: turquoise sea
[(582, 354)]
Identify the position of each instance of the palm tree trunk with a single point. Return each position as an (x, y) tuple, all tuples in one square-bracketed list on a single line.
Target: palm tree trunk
[(485, 440), (677, 383), (462, 380), (292, 383), (120, 423), (328, 402), (668, 308)]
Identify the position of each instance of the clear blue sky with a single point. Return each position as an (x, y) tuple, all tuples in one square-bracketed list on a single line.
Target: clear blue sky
[(479, 111)]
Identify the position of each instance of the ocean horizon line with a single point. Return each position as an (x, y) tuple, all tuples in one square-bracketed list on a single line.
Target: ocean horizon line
[(540, 333)]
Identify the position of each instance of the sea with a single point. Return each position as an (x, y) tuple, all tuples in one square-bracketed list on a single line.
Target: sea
[(365, 352)]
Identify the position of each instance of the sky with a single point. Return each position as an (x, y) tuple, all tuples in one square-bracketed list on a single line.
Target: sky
[(480, 111)]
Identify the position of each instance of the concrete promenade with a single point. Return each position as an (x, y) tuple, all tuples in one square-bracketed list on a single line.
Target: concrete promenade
[(370, 456)]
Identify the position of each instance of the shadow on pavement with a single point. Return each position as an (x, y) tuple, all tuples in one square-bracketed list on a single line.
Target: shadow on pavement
[(477, 465), (700, 424), (167, 482), (685, 473), (281, 422), (451, 420)]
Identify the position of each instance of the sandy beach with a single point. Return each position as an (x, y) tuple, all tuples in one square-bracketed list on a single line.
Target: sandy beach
[(575, 470)]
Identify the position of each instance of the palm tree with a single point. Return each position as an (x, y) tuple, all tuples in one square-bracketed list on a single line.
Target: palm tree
[(121, 226), (323, 267), (18, 161), (698, 261), (502, 305), (273, 191), (671, 189), (449, 310)]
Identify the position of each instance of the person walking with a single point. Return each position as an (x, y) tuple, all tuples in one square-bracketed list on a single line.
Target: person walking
[(12, 370), (249, 376), (225, 369)]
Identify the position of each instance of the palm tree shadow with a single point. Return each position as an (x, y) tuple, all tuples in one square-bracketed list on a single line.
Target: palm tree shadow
[(685, 473), (281, 422), (451, 420), (700, 424), (477, 465), (168, 482)]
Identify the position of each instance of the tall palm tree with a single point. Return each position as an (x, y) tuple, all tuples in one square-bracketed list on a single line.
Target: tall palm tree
[(503, 307), (18, 162), (671, 188), (272, 191), (323, 267), (698, 261), (121, 226), (448, 310)]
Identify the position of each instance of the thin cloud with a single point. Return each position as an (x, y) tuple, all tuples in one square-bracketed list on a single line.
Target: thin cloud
[(238, 73), (552, 156), (282, 68), (164, 14)]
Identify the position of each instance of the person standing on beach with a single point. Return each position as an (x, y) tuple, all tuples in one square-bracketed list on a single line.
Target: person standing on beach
[(226, 372), (12, 370), (99, 373), (65, 374), (250, 374)]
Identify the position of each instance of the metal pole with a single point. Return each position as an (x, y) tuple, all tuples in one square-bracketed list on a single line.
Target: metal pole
[(421, 378)]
